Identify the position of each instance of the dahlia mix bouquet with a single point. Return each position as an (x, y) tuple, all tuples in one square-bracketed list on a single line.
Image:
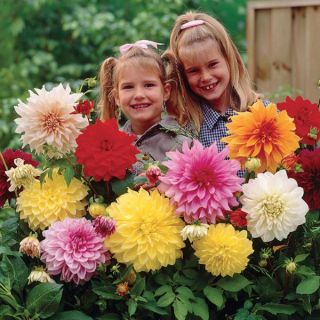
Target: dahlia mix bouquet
[(84, 236)]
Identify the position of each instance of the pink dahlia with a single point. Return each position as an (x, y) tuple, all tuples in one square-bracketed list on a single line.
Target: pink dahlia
[(201, 182), (73, 249)]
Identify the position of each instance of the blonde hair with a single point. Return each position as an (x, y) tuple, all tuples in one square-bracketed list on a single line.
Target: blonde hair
[(142, 57), (242, 93)]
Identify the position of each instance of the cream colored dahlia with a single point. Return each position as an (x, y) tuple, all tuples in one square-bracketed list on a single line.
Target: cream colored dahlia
[(41, 205), (274, 205), (147, 231), (224, 251), (47, 122)]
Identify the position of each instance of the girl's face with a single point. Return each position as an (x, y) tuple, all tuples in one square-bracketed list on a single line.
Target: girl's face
[(141, 95), (208, 73)]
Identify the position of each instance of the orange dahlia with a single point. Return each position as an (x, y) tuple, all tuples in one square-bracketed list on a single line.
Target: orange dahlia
[(262, 133)]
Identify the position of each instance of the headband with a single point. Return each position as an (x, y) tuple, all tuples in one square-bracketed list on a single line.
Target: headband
[(192, 23)]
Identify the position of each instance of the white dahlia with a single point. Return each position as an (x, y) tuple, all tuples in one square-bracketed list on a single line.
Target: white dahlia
[(274, 205), (46, 120)]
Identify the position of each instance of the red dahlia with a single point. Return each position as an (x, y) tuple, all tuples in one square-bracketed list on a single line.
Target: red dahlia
[(9, 155), (309, 179), (306, 118), (104, 151), (238, 218), (84, 107)]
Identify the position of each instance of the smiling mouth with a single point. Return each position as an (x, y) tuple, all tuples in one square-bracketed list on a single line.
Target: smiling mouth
[(209, 87), (140, 106)]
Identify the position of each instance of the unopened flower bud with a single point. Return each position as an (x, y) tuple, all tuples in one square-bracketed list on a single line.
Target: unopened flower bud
[(252, 164), (92, 82), (115, 269), (131, 277), (263, 263), (194, 231), (298, 168), (39, 274), (265, 253), (153, 173), (97, 209), (30, 246), (105, 226), (291, 266), (122, 289), (313, 133)]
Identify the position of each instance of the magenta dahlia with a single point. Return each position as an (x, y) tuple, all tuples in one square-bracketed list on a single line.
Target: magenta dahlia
[(73, 249), (201, 182), (309, 178), (9, 156)]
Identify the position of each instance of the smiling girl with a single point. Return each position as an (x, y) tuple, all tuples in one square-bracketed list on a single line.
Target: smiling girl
[(137, 84)]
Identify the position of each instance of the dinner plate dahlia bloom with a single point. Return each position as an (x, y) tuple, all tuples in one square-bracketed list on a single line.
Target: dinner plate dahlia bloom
[(41, 205), (73, 249), (224, 251), (47, 122), (201, 182), (274, 205), (262, 133), (147, 230)]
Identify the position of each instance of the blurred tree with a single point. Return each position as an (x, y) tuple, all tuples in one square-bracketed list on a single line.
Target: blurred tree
[(49, 41)]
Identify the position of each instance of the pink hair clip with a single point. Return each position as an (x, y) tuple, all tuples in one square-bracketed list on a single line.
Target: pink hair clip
[(140, 43), (192, 23)]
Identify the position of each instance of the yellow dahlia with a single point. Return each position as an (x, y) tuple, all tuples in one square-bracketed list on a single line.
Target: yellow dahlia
[(224, 251), (262, 133), (147, 230), (54, 201)]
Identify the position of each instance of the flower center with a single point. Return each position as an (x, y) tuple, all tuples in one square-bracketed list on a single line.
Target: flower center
[(203, 176), (267, 131), (106, 145), (51, 122), (272, 206)]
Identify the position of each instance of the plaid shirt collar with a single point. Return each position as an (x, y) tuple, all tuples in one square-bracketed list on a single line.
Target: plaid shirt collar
[(210, 116)]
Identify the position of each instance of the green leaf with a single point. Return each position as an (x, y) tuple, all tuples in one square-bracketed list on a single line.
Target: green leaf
[(166, 299), (132, 307), (154, 308), (200, 309), (305, 271), (301, 257), (234, 284), (180, 309), (124, 274), (44, 299), (70, 315), (309, 285), (185, 292), (276, 308), (163, 289), (138, 287), (68, 175), (214, 295), (109, 316), (120, 187)]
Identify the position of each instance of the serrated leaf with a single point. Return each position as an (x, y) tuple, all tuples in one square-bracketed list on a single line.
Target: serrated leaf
[(68, 175), (163, 289), (200, 309), (44, 299), (214, 295), (233, 284), (166, 299), (309, 285), (120, 187), (186, 292), (277, 308), (180, 309)]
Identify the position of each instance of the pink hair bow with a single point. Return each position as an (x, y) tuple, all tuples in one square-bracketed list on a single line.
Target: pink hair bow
[(192, 23), (141, 43)]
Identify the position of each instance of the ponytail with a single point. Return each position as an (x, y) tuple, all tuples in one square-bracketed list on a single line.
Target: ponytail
[(107, 103)]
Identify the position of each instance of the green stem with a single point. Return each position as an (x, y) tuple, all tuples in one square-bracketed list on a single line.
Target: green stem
[(4, 161)]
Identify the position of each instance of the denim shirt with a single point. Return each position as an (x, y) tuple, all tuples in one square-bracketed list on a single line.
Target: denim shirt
[(162, 137)]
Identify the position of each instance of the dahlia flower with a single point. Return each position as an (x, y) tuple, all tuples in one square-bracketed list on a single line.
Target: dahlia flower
[(72, 249), (261, 133), (309, 178), (194, 231), (224, 251), (306, 116), (148, 231), (238, 218), (42, 205), (22, 175), (104, 226), (102, 143), (30, 246), (201, 182), (84, 107), (274, 205), (39, 275), (47, 120), (9, 156)]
